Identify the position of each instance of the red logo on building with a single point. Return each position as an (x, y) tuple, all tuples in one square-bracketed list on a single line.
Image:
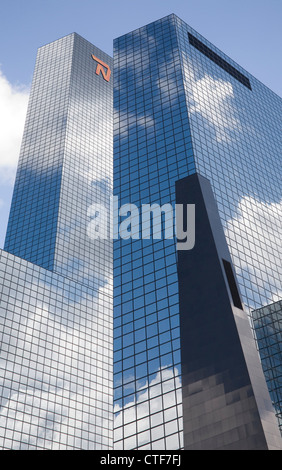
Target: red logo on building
[(103, 68)]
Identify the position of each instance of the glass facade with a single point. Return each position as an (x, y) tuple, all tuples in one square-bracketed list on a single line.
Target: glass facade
[(56, 280), (226, 402), (179, 109), (152, 149), (237, 146), (56, 361), (268, 329)]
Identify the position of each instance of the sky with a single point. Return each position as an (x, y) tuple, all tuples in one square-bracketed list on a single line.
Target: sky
[(249, 31)]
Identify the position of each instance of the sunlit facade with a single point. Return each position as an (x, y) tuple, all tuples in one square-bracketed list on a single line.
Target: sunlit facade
[(182, 107), (184, 116), (56, 281)]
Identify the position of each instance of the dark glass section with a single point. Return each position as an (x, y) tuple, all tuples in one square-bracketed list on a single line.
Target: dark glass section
[(219, 61), (225, 397), (232, 284), (31, 232)]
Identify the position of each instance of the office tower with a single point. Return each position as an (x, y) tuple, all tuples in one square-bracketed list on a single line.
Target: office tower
[(182, 107), (268, 327), (56, 279), (191, 126)]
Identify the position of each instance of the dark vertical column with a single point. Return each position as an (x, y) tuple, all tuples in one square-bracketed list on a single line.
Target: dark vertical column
[(225, 406)]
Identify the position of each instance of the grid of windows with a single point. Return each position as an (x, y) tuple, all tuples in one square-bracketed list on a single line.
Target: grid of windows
[(31, 232), (87, 171), (56, 361), (177, 111), (65, 163), (56, 320), (237, 145), (268, 329), (152, 149)]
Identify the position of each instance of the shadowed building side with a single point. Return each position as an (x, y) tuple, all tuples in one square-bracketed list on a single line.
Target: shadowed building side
[(226, 404)]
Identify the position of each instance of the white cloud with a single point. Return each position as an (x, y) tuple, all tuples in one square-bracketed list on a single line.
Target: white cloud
[(57, 373), (13, 107), (210, 99), (162, 393), (128, 120), (256, 231)]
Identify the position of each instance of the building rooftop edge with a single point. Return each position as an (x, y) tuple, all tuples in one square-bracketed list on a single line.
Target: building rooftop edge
[(205, 40), (75, 34)]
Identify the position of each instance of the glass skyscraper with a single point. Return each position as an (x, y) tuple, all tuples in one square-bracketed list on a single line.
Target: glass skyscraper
[(56, 280), (268, 328), (182, 107), (186, 125)]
